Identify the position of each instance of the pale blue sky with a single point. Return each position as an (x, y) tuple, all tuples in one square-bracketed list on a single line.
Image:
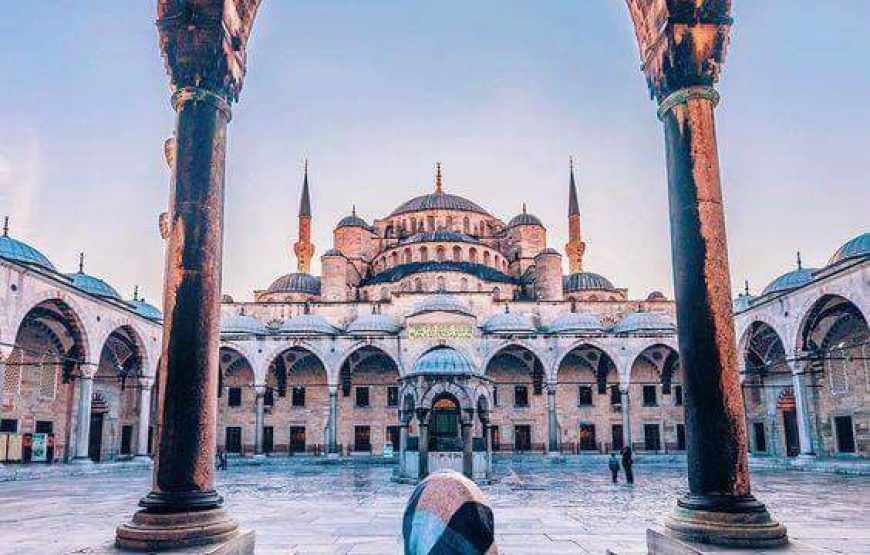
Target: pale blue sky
[(376, 91)]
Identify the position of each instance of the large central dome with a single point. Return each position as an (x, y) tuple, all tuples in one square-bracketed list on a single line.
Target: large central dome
[(439, 201)]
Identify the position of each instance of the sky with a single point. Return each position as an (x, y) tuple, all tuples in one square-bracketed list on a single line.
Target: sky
[(375, 92)]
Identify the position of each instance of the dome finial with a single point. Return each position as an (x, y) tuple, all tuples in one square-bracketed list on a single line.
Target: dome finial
[(524, 208), (799, 264), (746, 287), (135, 292), (5, 226), (438, 179), (507, 308), (81, 262), (353, 210)]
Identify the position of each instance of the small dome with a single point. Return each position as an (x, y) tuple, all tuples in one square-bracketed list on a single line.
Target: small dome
[(576, 323), (440, 303), (440, 236), (656, 296), (789, 281), (145, 310), (443, 361), (296, 283), (585, 281), (307, 324), (854, 248), (12, 249), (94, 286), (332, 252), (439, 201), (226, 299), (509, 322), (242, 324), (352, 221), (549, 251), (524, 218), (742, 302), (643, 323), (373, 324)]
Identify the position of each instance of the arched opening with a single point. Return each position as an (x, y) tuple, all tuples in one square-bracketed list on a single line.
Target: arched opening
[(424, 254), (236, 403), (40, 373), (519, 402), (444, 427), (297, 403), (368, 402), (457, 253), (787, 409), (655, 395), (588, 401), (440, 253), (766, 373)]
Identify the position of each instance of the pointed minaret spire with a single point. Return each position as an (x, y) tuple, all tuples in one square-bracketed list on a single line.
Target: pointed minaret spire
[(799, 264), (438, 179), (575, 248), (304, 248), (6, 226), (81, 262)]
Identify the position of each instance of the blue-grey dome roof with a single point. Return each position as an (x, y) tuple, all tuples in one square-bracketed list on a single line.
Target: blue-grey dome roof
[(373, 324), (440, 303), (332, 252), (642, 323), (396, 273), (146, 310), (742, 302), (585, 281), (550, 250), (443, 361), (576, 323), (94, 286), (854, 248), (308, 324), (352, 221), (296, 283), (12, 249), (509, 322), (242, 324), (789, 281), (439, 236), (438, 201), (524, 218), (656, 296)]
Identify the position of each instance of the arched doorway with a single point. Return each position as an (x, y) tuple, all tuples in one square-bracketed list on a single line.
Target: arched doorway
[(236, 403), (787, 409), (518, 417), (297, 404), (444, 424), (368, 402), (766, 376), (588, 401), (655, 393)]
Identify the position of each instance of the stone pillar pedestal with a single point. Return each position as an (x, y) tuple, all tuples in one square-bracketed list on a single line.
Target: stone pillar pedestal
[(83, 415), (624, 401), (145, 388)]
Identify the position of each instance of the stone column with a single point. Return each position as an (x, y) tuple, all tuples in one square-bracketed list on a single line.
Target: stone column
[(625, 406), (487, 442), (145, 388), (203, 45), (260, 409), (403, 440), (803, 415), (552, 421), (83, 414), (332, 448), (423, 443), (468, 446)]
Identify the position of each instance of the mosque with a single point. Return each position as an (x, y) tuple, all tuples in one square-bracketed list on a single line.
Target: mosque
[(438, 334)]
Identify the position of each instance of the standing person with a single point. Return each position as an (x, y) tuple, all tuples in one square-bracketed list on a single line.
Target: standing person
[(627, 462), (614, 468)]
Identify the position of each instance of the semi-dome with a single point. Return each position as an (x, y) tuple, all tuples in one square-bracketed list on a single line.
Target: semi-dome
[(242, 324), (352, 221), (443, 361), (854, 248), (440, 303), (307, 324), (788, 281), (12, 249), (296, 283), (373, 324), (439, 201), (576, 323), (643, 323), (440, 236), (144, 309), (586, 281), (93, 285), (508, 322)]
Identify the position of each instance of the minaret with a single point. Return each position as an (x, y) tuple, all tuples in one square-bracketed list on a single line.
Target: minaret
[(304, 248), (575, 246)]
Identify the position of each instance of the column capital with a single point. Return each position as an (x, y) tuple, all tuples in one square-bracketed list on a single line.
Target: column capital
[(683, 96), (146, 382), (260, 390), (197, 94), (87, 371)]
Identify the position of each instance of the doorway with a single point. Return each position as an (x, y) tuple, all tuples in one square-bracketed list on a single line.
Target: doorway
[(297, 439), (444, 426), (522, 438), (95, 438), (845, 434), (792, 441)]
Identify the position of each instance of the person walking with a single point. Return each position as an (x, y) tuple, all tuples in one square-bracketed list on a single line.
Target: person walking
[(627, 462), (614, 467)]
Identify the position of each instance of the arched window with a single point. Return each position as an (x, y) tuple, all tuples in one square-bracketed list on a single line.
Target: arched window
[(395, 258), (440, 253), (449, 225), (466, 225), (430, 223), (424, 254), (442, 284), (496, 294), (418, 285), (413, 226), (486, 258), (389, 231), (463, 284), (472, 255), (408, 256), (457, 254)]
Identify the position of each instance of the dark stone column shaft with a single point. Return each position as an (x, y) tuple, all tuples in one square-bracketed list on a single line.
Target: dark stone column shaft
[(467, 450), (184, 470)]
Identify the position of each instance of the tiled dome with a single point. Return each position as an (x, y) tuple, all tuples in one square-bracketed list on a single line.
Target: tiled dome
[(242, 324), (373, 324), (854, 248), (789, 281), (439, 201), (656, 296), (12, 249), (440, 236), (307, 324), (508, 322), (524, 218), (440, 303), (145, 310), (443, 361), (742, 302), (643, 323), (576, 323), (585, 281), (296, 283), (94, 286), (332, 252), (352, 221)]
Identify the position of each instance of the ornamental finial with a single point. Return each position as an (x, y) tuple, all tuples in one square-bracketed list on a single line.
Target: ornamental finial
[(6, 226), (81, 262), (746, 287), (438, 178), (524, 208), (353, 210), (135, 292), (799, 264)]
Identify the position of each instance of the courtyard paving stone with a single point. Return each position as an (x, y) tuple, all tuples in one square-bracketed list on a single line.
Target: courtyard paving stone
[(337, 509)]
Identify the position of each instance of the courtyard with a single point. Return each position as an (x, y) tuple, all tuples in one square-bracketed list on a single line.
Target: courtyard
[(540, 507)]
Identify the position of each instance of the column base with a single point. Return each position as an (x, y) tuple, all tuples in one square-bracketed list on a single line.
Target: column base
[(725, 521), (332, 455), (150, 531), (84, 461), (142, 458)]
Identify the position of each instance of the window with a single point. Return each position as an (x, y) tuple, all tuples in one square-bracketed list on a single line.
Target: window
[(234, 439), (269, 397), (486, 258), (496, 294), (297, 439), (424, 254), (362, 438), (44, 427), (9, 425), (457, 254), (584, 396), (440, 254), (298, 397), (760, 437), (678, 395), (521, 396), (463, 285), (234, 397), (845, 434), (587, 438), (681, 437), (442, 285), (652, 440), (393, 396), (362, 397), (649, 396), (430, 223), (495, 395), (615, 396), (472, 255), (466, 226), (392, 435), (126, 440)]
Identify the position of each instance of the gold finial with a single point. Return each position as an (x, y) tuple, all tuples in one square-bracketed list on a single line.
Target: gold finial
[(746, 287), (135, 292), (353, 210), (524, 208), (438, 179), (6, 226), (81, 262), (800, 266)]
